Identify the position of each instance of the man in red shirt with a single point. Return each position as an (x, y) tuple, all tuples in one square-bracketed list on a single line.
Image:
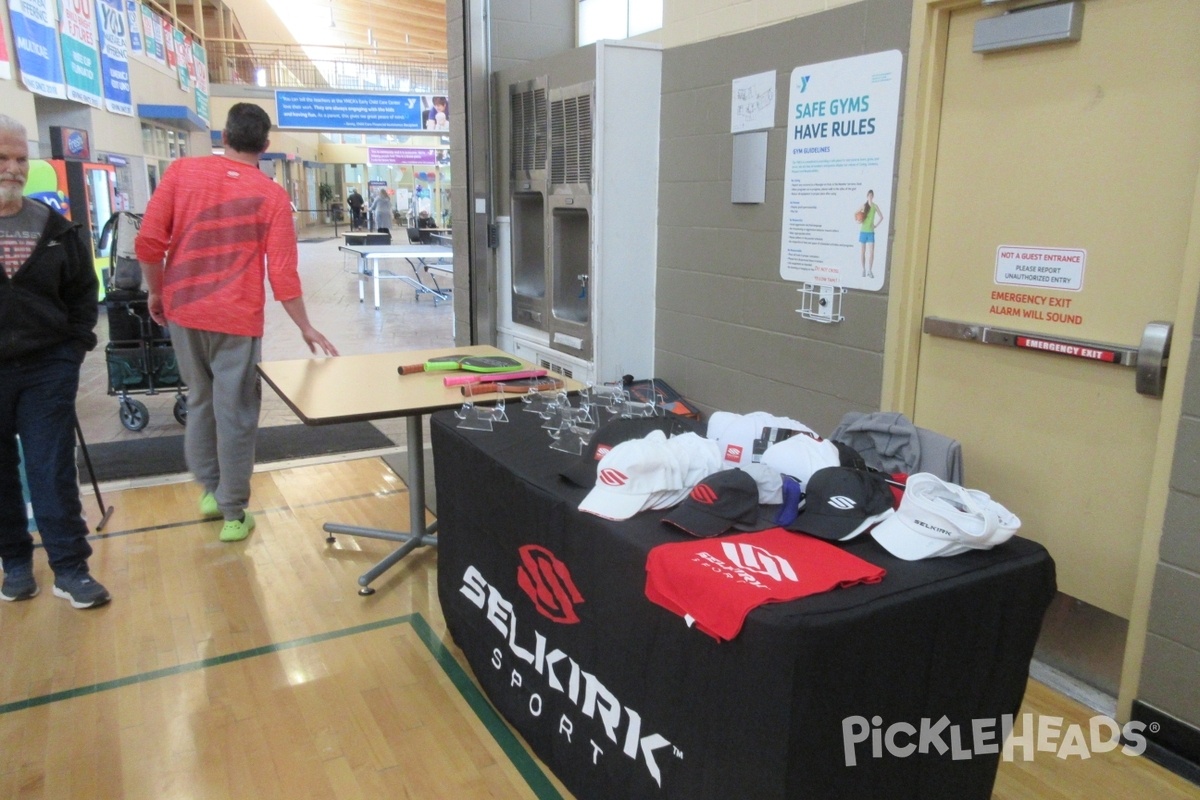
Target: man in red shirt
[(221, 224)]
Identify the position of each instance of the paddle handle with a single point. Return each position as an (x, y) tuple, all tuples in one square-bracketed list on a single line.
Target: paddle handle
[(495, 377), (411, 369)]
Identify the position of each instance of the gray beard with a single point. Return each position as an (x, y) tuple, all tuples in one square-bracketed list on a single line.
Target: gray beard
[(10, 195)]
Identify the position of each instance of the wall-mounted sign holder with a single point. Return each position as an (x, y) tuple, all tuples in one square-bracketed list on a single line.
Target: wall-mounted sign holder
[(1149, 358), (821, 303)]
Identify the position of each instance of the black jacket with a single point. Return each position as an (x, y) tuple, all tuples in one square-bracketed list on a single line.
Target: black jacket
[(53, 298)]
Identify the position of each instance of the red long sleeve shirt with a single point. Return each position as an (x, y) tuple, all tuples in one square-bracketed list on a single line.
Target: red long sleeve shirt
[(221, 225)]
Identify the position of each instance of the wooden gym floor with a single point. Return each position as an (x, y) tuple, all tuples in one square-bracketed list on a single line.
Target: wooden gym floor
[(255, 670)]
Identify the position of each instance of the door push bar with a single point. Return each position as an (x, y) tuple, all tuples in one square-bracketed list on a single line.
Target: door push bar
[(1149, 358)]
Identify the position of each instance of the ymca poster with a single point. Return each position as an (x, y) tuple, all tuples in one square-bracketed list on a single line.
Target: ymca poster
[(114, 57), (842, 118), (81, 52), (35, 38)]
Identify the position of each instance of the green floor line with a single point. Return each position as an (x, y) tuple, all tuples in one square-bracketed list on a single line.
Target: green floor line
[(516, 753), (195, 666)]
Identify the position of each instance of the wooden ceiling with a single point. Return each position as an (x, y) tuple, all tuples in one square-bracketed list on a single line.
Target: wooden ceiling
[(417, 26), (400, 27)]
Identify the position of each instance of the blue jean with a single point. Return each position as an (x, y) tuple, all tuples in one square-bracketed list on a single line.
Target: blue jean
[(37, 402)]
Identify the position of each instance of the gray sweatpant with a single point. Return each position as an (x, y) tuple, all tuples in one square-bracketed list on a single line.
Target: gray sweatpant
[(223, 402)]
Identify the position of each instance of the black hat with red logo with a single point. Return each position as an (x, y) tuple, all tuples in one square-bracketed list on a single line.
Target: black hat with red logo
[(724, 500)]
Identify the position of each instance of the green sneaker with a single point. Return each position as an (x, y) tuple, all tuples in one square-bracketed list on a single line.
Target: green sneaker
[(208, 505), (234, 530)]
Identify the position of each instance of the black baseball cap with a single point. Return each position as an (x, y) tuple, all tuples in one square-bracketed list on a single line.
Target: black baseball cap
[(612, 433), (842, 502), (724, 500), (848, 456)]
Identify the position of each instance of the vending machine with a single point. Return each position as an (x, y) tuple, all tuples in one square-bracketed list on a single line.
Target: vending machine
[(81, 190)]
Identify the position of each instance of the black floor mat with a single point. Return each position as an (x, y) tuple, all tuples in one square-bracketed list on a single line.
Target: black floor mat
[(163, 455)]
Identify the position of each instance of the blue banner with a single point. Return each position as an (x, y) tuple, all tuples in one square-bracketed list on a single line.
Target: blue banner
[(134, 24), (114, 58), (36, 40), (348, 112)]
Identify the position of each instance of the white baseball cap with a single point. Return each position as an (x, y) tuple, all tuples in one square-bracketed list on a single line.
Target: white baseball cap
[(937, 519), (769, 480), (736, 433), (632, 475), (802, 455), (697, 457)]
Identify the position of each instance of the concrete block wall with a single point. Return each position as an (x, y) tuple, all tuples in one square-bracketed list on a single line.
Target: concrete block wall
[(727, 332), (1172, 658)]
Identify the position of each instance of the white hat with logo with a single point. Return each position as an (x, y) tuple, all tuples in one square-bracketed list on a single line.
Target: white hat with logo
[(802, 455), (736, 433), (697, 457), (632, 475), (936, 518)]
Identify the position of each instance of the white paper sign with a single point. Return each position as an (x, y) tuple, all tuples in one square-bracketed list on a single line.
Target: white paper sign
[(841, 144), (1044, 267), (753, 102)]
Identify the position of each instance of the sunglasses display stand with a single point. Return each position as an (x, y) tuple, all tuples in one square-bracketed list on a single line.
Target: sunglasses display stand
[(481, 418), (574, 431)]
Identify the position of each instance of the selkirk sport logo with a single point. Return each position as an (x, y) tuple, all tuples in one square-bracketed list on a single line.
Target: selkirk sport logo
[(548, 583), (612, 477), (842, 502), (703, 493)]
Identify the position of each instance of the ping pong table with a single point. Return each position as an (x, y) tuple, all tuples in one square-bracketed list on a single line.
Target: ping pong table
[(370, 257)]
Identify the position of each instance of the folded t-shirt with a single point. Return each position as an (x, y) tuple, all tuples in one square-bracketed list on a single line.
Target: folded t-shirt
[(715, 583)]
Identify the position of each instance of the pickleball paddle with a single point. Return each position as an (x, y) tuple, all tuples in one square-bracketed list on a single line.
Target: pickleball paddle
[(468, 363), (517, 386), (492, 377)]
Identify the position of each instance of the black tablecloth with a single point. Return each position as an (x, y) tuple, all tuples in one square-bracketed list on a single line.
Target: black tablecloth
[(622, 700)]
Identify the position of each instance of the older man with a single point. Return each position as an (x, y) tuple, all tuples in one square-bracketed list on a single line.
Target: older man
[(48, 308)]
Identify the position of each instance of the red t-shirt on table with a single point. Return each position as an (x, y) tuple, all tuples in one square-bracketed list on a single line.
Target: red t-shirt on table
[(717, 582)]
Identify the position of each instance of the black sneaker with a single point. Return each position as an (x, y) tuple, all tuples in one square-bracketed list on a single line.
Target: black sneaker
[(19, 583), (81, 589)]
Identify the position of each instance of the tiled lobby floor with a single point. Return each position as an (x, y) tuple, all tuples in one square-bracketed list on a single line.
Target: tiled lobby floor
[(331, 297)]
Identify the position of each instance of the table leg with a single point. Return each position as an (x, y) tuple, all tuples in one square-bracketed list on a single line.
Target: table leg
[(376, 279), (437, 291), (418, 534), (361, 274)]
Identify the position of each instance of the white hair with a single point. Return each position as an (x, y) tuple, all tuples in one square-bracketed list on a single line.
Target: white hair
[(10, 125)]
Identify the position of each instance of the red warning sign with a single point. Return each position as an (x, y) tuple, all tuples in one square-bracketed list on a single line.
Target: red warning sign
[(1066, 349)]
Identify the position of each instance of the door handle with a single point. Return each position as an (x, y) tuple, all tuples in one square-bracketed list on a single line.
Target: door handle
[(1152, 357), (1149, 358)]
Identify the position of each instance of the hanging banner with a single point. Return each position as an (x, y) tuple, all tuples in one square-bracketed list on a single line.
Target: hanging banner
[(81, 52), (152, 35), (147, 27), (168, 38), (401, 155), (200, 60), (348, 111), (39, 59), (133, 23), (5, 63), (182, 52), (841, 149), (114, 57)]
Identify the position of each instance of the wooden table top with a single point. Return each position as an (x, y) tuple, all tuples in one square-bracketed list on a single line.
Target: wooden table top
[(349, 388)]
